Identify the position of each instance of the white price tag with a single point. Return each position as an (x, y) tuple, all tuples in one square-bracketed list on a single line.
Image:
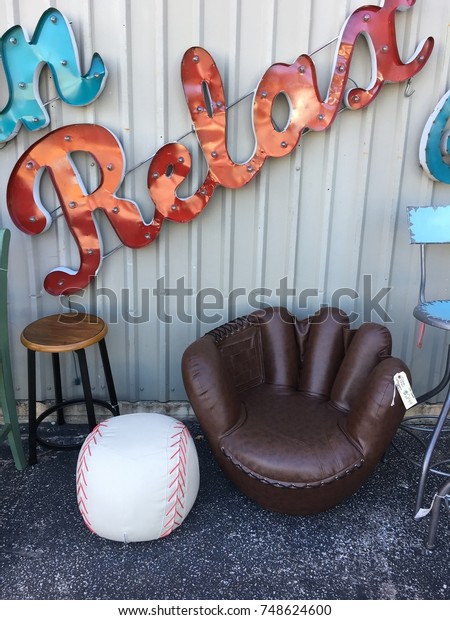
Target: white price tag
[(404, 389)]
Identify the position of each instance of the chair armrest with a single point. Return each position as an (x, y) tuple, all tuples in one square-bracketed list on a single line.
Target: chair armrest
[(375, 417), (209, 387)]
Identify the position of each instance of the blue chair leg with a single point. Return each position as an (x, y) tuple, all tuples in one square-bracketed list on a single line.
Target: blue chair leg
[(429, 452), (437, 502), (441, 385)]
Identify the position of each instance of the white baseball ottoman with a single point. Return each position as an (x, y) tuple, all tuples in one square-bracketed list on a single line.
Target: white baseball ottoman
[(137, 477)]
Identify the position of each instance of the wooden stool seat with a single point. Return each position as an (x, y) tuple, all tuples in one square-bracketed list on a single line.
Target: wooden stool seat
[(59, 333), (62, 333)]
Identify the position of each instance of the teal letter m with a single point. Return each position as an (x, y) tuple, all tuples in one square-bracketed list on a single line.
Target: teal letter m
[(53, 44)]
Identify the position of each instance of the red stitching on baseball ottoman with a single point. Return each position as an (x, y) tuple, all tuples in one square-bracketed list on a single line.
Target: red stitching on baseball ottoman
[(82, 467), (177, 477)]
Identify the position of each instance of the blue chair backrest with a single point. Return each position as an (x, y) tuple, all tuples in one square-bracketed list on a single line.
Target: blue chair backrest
[(429, 224)]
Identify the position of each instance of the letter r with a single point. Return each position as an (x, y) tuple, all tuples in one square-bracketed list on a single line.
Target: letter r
[(53, 153)]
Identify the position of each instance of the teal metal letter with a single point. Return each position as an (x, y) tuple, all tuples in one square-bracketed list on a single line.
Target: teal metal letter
[(434, 144), (53, 44)]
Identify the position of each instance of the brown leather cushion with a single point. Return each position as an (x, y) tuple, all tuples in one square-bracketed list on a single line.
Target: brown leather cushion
[(306, 446)]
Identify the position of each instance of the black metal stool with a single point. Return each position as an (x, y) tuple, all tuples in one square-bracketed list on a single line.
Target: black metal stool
[(61, 333)]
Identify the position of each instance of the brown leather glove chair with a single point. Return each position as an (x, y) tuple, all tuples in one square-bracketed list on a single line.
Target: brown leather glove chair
[(297, 412)]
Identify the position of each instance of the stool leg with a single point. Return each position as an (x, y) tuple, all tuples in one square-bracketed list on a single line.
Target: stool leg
[(32, 426), (108, 376), (429, 452), (87, 389), (443, 491), (444, 381), (57, 383)]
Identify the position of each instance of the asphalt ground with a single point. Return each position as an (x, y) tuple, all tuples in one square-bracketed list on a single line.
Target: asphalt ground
[(228, 548)]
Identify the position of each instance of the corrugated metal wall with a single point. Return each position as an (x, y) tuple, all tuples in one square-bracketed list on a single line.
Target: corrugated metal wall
[(329, 217)]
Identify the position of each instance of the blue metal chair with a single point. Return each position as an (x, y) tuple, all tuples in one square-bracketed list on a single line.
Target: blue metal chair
[(10, 430), (430, 225)]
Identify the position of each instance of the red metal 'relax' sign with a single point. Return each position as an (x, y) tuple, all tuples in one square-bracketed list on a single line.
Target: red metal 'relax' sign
[(171, 165)]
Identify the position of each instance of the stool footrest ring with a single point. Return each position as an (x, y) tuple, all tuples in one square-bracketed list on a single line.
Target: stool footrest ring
[(60, 405)]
